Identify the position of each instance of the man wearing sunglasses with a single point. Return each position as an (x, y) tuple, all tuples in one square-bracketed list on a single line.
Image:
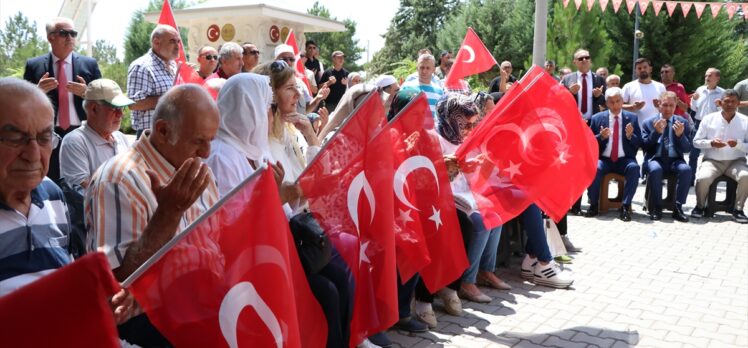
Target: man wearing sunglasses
[(250, 56), (62, 74), (587, 87), (207, 58)]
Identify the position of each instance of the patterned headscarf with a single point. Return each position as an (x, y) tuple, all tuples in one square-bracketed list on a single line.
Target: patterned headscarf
[(453, 111)]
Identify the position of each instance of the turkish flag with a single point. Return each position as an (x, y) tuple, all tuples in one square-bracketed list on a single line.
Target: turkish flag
[(424, 206), (167, 17), (186, 74), (534, 137), (472, 58), (233, 278), (291, 41), (349, 189), (67, 308)]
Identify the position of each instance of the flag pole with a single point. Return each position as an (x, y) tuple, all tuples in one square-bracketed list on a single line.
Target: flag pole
[(541, 29)]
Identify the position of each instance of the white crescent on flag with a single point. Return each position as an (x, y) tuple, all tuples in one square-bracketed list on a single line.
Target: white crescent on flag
[(405, 168), (470, 51), (242, 295), (360, 183)]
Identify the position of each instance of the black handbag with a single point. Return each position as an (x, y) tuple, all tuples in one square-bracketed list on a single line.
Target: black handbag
[(312, 245)]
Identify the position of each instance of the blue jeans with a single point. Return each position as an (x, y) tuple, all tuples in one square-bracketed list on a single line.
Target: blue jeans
[(537, 244), (481, 251)]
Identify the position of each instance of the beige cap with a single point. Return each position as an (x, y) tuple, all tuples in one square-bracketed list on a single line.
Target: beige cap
[(338, 53), (108, 91)]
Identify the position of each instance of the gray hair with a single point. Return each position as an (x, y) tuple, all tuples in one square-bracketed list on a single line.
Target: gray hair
[(14, 85), (668, 95), (612, 92), (612, 77), (160, 30), (172, 105), (52, 24), (228, 50), (424, 57)]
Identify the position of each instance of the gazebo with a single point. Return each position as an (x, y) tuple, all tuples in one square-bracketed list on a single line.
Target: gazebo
[(218, 21)]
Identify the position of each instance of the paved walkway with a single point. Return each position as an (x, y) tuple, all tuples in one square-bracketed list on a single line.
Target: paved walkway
[(645, 284)]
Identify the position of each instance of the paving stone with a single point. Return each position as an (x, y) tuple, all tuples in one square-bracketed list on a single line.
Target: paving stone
[(601, 342)]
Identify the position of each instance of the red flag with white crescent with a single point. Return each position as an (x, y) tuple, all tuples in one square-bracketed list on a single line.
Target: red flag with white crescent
[(167, 17), (291, 41), (233, 278), (424, 204), (472, 58), (349, 189)]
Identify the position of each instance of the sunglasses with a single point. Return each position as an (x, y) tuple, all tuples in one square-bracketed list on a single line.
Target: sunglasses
[(288, 59), (581, 59), (65, 33), (253, 53), (278, 66), (211, 56)]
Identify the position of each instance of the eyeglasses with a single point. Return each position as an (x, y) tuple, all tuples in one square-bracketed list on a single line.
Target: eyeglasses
[(65, 33), (211, 56), (581, 59), (278, 66), (253, 53), (302, 56), (18, 139), (288, 60)]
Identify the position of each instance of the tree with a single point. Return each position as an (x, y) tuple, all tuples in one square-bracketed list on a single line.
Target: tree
[(415, 26), (338, 41), (19, 42), (104, 52), (138, 37)]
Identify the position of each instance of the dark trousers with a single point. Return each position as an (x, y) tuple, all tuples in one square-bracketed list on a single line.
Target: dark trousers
[(54, 160), (624, 166), (405, 293), (139, 330), (537, 244), (658, 168), (331, 289), (693, 155)]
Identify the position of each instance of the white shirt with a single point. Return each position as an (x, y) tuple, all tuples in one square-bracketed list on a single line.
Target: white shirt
[(705, 105), (635, 91), (621, 130), (83, 150), (715, 126), (589, 112), (74, 119)]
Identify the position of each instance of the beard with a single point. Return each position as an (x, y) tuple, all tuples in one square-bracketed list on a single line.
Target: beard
[(643, 75)]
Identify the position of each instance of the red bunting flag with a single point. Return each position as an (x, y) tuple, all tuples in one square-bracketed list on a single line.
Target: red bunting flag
[(643, 6), (472, 58), (535, 137), (590, 4), (616, 5), (233, 278), (657, 6), (167, 17), (715, 9), (423, 195), (69, 307), (671, 7), (300, 73), (349, 189), (699, 7), (731, 9), (603, 5), (578, 4), (566, 3), (630, 5), (685, 7)]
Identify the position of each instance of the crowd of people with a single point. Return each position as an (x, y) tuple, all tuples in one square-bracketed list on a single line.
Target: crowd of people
[(98, 191)]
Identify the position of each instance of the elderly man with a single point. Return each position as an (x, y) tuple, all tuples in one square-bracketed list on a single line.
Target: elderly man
[(704, 102), (151, 75), (99, 138), (550, 68), (207, 59), (723, 136), (499, 83), (63, 75), (613, 80), (742, 89), (250, 56), (602, 72), (339, 76), (665, 140), (618, 139), (640, 96), (586, 87), (433, 90), (138, 200), (230, 57)]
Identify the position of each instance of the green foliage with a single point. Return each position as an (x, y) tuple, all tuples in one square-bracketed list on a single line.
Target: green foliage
[(415, 26), (404, 68), (570, 30), (338, 41), (19, 42), (104, 52)]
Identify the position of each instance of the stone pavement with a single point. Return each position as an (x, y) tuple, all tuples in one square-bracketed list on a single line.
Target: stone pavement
[(642, 283)]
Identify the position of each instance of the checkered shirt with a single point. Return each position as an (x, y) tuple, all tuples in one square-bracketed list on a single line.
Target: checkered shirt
[(148, 76)]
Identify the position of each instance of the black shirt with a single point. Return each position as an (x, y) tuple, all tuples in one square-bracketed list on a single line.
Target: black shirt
[(494, 85), (314, 66), (338, 88)]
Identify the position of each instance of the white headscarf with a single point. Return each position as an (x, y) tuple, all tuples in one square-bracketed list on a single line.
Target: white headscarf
[(244, 102)]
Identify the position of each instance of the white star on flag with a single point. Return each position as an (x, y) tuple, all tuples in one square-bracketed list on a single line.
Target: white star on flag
[(404, 216), (513, 169), (563, 155), (362, 253), (436, 217)]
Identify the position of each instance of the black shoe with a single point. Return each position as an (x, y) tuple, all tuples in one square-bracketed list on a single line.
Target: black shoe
[(576, 211), (697, 212), (679, 215), (739, 217), (381, 340), (411, 325), (655, 214), (625, 213), (592, 211)]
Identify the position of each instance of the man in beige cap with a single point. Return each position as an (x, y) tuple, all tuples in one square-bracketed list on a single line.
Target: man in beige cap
[(98, 139)]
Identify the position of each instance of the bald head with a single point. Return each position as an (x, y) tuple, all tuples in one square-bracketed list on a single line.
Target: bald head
[(184, 122)]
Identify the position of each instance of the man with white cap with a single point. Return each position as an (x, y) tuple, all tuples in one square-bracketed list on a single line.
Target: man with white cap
[(98, 139)]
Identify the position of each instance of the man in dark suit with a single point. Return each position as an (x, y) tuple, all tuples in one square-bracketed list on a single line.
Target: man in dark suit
[(665, 140), (63, 75), (587, 89), (618, 139)]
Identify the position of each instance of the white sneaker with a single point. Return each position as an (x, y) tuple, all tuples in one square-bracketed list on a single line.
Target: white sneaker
[(552, 275), (367, 344), (528, 265), (569, 246)]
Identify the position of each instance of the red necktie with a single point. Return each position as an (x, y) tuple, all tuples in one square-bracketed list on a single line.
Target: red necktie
[(583, 99), (614, 149), (63, 104)]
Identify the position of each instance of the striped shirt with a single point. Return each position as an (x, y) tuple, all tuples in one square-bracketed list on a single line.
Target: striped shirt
[(119, 201), (433, 92), (34, 245), (148, 76), (84, 150)]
